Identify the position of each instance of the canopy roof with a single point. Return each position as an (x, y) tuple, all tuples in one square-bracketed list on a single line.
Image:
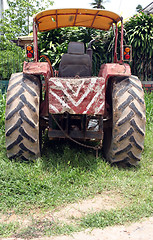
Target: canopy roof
[(91, 18)]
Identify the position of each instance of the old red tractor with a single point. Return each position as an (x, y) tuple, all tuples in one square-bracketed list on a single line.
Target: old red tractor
[(108, 108)]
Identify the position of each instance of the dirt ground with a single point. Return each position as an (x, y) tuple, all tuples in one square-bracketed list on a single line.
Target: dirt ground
[(142, 230), (136, 231)]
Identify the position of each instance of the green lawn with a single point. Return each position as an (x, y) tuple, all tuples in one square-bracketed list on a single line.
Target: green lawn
[(67, 173)]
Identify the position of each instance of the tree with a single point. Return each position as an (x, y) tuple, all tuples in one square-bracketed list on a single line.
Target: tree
[(139, 33), (139, 8), (16, 19), (98, 4)]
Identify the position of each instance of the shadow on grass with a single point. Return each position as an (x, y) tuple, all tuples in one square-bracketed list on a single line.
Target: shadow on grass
[(65, 153)]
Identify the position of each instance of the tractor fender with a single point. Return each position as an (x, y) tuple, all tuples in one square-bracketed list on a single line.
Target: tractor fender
[(114, 70), (110, 72)]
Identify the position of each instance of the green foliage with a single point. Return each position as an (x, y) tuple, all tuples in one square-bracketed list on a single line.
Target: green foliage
[(54, 44), (139, 33), (139, 8), (11, 59), (16, 19), (16, 22), (2, 112), (98, 4), (8, 228), (149, 107)]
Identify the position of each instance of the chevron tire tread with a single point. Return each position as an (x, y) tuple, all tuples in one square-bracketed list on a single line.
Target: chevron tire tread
[(22, 117), (128, 127)]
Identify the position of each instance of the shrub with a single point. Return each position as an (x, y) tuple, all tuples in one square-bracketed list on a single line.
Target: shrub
[(149, 107)]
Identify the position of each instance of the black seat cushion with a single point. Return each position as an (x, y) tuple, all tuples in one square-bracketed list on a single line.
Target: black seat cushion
[(75, 62)]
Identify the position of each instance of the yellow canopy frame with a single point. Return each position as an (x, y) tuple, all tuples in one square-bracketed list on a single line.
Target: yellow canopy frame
[(91, 18)]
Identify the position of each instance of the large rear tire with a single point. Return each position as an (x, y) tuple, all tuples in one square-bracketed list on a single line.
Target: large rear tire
[(125, 141), (22, 117)]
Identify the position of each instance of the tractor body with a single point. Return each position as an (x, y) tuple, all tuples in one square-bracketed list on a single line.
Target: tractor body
[(77, 105), (75, 101)]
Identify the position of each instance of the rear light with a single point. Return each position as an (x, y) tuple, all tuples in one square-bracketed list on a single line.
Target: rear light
[(29, 51), (127, 53), (127, 56)]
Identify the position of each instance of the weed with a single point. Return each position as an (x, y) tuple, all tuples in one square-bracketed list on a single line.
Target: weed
[(149, 107)]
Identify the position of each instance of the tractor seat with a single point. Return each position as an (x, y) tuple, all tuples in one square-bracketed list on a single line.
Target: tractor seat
[(75, 62)]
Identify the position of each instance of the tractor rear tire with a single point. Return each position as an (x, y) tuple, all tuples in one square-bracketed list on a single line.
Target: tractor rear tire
[(22, 117), (125, 141)]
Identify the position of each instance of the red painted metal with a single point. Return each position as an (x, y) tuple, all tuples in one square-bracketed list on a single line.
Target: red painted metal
[(114, 69), (37, 68), (121, 46), (40, 68), (77, 96), (115, 48), (35, 42)]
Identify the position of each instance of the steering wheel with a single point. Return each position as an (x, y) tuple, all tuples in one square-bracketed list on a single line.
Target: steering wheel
[(49, 62)]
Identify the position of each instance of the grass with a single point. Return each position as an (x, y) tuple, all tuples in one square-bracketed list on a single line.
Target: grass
[(8, 228), (44, 227), (67, 173)]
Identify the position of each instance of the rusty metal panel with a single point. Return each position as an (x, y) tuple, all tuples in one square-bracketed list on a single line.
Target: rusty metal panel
[(76, 134), (38, 68), (114, 69), (77, 95)]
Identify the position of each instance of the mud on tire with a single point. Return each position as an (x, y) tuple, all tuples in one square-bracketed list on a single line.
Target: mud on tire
[(22, 117), (128, 126)]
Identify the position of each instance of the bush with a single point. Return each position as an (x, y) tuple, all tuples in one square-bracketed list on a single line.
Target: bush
[(2, 112), (11, 59), (149, 107), (139, 32)]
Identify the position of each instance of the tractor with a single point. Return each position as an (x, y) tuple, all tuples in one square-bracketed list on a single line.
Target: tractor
[(108, 108)]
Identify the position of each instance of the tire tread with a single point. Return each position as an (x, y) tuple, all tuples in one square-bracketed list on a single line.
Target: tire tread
[(22, 117), (128, 128)]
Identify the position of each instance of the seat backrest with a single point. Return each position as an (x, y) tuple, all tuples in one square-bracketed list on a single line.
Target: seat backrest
[(75, 62), (76, 48)]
